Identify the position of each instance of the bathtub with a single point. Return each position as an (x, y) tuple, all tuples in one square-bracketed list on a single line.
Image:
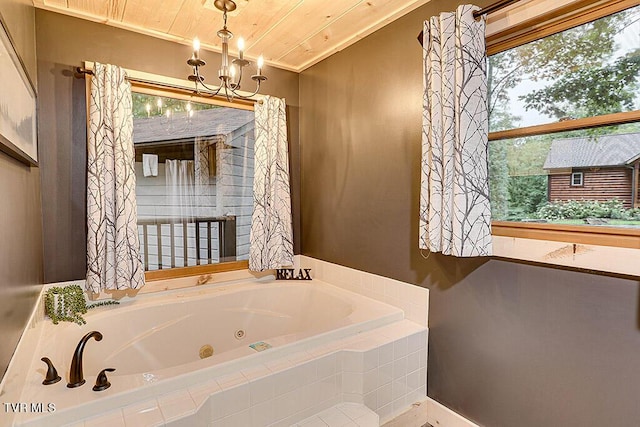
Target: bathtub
[(178, 339)]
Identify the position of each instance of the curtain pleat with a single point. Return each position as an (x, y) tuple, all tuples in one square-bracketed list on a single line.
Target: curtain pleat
[(271, 235), (113, 250), (455, 214)]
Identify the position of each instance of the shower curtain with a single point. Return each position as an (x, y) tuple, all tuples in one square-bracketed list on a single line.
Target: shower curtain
[(271, 234), (180, 182), (455, 215), (113, 250)]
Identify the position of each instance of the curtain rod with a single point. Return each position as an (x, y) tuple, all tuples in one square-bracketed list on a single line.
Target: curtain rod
[(493, 7), (83, 70), (169, 85)]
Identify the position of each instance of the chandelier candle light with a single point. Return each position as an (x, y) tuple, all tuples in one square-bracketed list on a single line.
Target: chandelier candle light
[(227, 72)]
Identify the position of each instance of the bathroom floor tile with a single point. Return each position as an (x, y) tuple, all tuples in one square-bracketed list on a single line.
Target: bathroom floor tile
[(353, 411), (334, 418), (342, 415)]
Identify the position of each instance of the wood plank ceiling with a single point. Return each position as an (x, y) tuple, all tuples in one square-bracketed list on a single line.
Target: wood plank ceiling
[(291, 34)]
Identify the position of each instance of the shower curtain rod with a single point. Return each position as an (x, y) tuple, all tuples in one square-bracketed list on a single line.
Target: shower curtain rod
[(493, 7)]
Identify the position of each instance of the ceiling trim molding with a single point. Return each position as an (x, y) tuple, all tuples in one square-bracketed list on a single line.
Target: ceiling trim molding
[(390, 17)]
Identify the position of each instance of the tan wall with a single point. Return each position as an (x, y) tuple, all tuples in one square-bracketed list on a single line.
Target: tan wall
[(18, 16), (63, 43), (20, 209), (509, 344), (602, 184)]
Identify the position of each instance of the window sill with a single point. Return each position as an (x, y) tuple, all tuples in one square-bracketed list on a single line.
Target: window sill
[(605, 249), (187, 277), (196, 270)]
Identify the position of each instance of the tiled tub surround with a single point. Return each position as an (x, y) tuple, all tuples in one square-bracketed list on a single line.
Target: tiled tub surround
[(367, 368), (413, 300), (380, 360)]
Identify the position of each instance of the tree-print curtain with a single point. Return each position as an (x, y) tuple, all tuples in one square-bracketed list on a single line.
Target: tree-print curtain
[(113, 250), (455, 216), (271, 235)]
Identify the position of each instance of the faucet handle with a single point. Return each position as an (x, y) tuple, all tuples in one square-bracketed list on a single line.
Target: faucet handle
[(52, 374), (102, 383)]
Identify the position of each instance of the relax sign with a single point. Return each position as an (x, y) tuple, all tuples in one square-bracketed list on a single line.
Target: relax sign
[(290, 274)]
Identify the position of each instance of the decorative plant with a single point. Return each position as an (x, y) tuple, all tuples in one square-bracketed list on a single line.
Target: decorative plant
[(67, 304)]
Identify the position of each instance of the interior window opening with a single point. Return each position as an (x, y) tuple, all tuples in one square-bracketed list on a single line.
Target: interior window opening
[(194, 190), (563, 149)]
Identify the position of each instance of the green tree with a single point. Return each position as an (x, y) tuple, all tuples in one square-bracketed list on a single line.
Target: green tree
[(504, 74), (587, 92), (584, 79), (498, 163), (498, 180), (527, 194), (147, 105)]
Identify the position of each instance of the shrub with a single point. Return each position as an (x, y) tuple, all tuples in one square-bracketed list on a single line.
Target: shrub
[(574, 209)]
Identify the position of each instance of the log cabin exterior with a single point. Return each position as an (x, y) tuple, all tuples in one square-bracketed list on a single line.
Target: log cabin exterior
[(595, 168)]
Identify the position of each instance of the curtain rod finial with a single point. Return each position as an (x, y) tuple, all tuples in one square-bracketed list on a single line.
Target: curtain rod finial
[(80, 71)]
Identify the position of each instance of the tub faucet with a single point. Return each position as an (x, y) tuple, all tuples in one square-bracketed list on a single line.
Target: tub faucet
[(76, 377)]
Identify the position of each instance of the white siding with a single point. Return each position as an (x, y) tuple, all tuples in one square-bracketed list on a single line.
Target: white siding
[(235, 183)]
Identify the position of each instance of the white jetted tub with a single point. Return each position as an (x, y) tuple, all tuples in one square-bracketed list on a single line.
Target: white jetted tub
[(158, 343)]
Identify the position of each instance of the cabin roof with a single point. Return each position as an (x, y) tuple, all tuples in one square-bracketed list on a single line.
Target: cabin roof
[(597, 151), (204, 123)]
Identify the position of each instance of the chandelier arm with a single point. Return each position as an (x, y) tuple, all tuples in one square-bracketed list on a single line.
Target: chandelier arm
[(239, 77), (248, 97), (210, 91), (231, 96)]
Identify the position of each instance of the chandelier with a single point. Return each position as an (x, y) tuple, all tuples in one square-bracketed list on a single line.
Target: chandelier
[(230, 77)]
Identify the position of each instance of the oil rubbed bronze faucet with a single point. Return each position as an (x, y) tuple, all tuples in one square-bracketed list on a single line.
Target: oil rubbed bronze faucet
[(76, 377)]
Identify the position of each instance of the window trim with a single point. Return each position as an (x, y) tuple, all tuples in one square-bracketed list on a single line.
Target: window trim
[(583, 234), (515, 240), (568, 125), (564, 18), (575, 175), (195, 270)]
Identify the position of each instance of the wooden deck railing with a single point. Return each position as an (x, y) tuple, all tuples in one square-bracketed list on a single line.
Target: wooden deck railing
[(226, 238)]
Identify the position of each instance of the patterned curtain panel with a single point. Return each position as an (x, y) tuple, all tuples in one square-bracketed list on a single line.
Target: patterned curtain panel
[(455, 216), (113, 250), (271, 236)]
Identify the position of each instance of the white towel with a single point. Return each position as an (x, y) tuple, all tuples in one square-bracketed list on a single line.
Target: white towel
[(150, 164)]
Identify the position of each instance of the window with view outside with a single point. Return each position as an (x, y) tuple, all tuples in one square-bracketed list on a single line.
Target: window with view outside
[(194, 190), (587, 71)]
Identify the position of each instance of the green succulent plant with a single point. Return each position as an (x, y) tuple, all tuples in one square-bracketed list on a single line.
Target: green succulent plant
[(70, 304)]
